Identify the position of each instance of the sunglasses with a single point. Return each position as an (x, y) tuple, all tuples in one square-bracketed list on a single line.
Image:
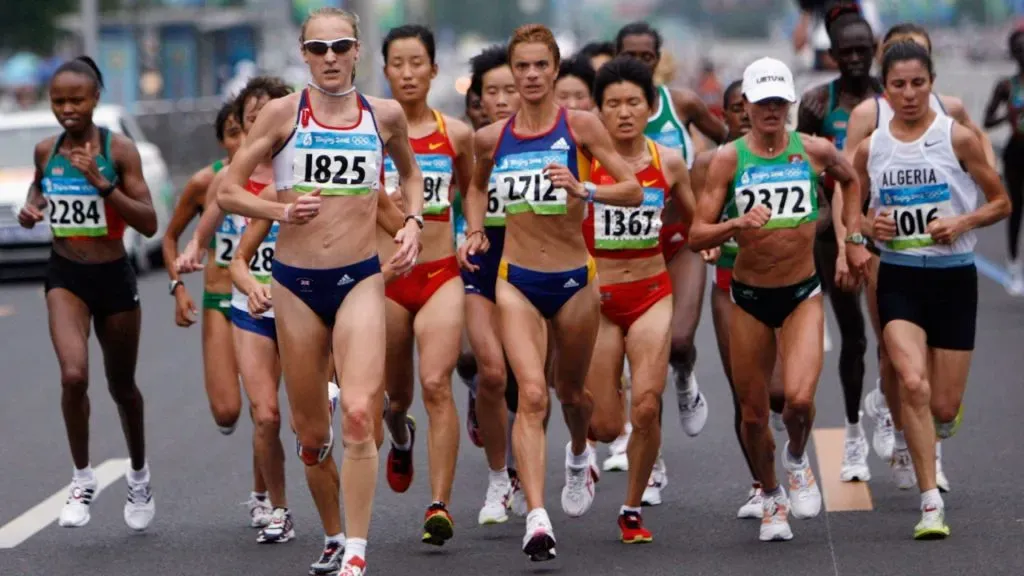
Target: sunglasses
[(339, 46)]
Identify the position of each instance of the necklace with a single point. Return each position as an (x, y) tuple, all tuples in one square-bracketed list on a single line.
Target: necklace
[(350, 90)]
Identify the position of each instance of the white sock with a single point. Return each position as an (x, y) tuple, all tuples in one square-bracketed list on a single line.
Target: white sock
[(139, 476), (339, 538), (794, 461), (580, 460), (624, 509), (354, 547), (499, 476), (931, 499), (938, 450), (899, 440), (854, 430), (261, 496), (85, 475)]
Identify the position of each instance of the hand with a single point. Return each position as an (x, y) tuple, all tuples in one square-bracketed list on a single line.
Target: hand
[(409, 237), (844, 280), (947, 230), (476, 243), (561, 177), (185, 311), (191, 259), (30, 215), (756, 218), (84, 161), (859, 260), (712, 255), (304, 209), (884, 228), (259, 300)]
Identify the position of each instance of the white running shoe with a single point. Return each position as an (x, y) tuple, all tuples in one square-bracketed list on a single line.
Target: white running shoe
[(776, 420), (941, 482), (539, 540), (693, 408), (75, 513), (657, 481), (903, 469), (617, 459), (775, 518), (1016, 285), (805, 496), (333, 396), (754, 506), (884, 437), (855, 458), (140, 508), (578, 492), (496, 502), (259, 511), (281, 529), (518, 502)]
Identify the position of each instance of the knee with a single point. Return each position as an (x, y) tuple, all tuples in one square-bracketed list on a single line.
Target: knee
[(606, 427), (466, 367), (570, 395), (74, 381), (798, 406), (946, 410), (357, 422), (533, 398), (267, 416), (226, 416), (914, 388), (122, 392), (854, 347), (645, 412), (753, 414), (491, 378), (437, 390)]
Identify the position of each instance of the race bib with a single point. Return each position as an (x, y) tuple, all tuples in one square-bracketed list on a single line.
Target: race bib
[(339, 163), (525, 186), (76, 208), (227, 237), (912, 209), (262, 261), (629, 227), (785, 189), (495, 205), (437, 181)]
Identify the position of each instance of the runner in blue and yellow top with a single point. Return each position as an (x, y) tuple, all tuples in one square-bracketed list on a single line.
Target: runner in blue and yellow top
[(825, 111), (89, 187), (540, 157), (770, 174), (669, 125)]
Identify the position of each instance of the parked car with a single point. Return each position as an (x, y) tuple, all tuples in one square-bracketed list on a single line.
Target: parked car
[(19, 133)]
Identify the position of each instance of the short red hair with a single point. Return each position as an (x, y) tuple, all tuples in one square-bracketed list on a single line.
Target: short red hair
[(534, 34)]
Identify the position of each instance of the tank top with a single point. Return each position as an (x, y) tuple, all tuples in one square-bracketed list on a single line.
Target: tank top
[(340, 161), (435, 156), (622, 232), (836, 118), (519, 163), (262, 260), (76, 208), (667, 129), (921, 181), (784, 184), (1015, 107)]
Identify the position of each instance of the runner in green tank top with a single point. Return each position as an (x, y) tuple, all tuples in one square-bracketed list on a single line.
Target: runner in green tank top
[(825, 111), (668, 125), (771, 174)]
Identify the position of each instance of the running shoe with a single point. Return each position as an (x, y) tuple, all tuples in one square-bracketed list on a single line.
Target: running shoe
[(438, 526), (400, 468), (884, 437), (75, 513), (946, 430), (941, 482), (932, 525), (778, 424), (903, 469), (539, 540), (355, 566), (805, 496), (472, 425), (496, 503), (260, 511), (518, 501), (618, 460), (578, 492), (631, 525), (279, 530), (754, 506), (693, 408), (656, 482), (140, 508), (333, 396), (1016, 285), (775, 518), (329, 562), (855, 457)]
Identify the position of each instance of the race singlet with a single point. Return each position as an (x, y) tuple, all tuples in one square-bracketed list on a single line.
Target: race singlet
[(633, 227), (784, 185), (75, 207), (437, 181)]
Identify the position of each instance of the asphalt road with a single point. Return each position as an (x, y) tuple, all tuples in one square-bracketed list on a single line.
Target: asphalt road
[(200, 477)]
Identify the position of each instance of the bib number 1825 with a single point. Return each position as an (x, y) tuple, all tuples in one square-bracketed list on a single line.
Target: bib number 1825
[(323, 169)]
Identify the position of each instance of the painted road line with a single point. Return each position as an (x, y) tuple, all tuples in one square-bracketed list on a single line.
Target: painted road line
[(839, 496), (6, 311), (46, 512), (991, 270)]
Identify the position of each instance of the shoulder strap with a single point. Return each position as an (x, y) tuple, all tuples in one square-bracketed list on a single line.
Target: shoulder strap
[(105, 138), (442, 127), (56, 144), (655, 155)]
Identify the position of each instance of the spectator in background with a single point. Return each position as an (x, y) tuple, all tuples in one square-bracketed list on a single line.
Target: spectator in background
[(598, 53), (710, 89), (810, 28)]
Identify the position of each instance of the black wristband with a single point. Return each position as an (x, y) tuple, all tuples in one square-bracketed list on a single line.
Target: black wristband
[(108, 190)]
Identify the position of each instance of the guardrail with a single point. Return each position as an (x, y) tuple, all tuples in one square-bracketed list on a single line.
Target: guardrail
[(183, 130)]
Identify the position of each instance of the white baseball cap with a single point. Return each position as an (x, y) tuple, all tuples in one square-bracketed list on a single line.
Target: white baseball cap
[(768, 78)]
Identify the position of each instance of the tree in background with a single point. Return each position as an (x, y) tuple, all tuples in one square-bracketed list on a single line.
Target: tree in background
[(29, 24)]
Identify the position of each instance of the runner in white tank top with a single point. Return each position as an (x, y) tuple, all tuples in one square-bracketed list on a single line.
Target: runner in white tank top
[(327, 289), (925, 172)]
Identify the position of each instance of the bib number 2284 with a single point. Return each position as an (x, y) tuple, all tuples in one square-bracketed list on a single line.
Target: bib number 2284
[(73, 212), (323, 169)]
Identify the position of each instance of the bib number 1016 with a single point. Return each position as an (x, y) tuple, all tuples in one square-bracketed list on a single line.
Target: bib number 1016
[(914, 221)]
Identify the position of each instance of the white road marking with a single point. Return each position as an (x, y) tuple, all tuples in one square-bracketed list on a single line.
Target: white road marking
[(46, 512)]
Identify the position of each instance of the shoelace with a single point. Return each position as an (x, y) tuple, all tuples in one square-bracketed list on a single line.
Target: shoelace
[(801, 478), (498, 492), (632, 520), (138, 494), (855, 450), (330, 551), (578, 478)]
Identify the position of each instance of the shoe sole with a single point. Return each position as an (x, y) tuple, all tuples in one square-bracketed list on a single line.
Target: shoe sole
[(286, 537), (859, 477), (492, 521), (82, 524), (437, 530), (932, 534), (778, 538), (540, 548), (638, 540)]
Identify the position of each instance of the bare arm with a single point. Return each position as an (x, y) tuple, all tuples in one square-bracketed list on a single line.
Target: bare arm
[(255, 232), (679, 180), (41, 156), (839, 168), (184, 211), (462, 140), (688, 105), (389, 217), (212, 213), (707, 232), (956, 109), (1000, 96), (474, 200), (699, 174), (393, 122), (131, 198), (970, 151), (593, 136), (860, 165), (258, 145)]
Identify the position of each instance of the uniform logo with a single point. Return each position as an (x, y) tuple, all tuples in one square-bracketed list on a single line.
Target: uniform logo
[(560, 144), (796, 158), (58, 170), (307, 138), (305, 284), (436, 145), (745, 179), (649, 183), (345, 280)]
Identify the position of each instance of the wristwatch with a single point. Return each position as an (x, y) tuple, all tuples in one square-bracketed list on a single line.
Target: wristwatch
[(108, 190), (591, 190), (856, 238), (416, 217), (174, 285)]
